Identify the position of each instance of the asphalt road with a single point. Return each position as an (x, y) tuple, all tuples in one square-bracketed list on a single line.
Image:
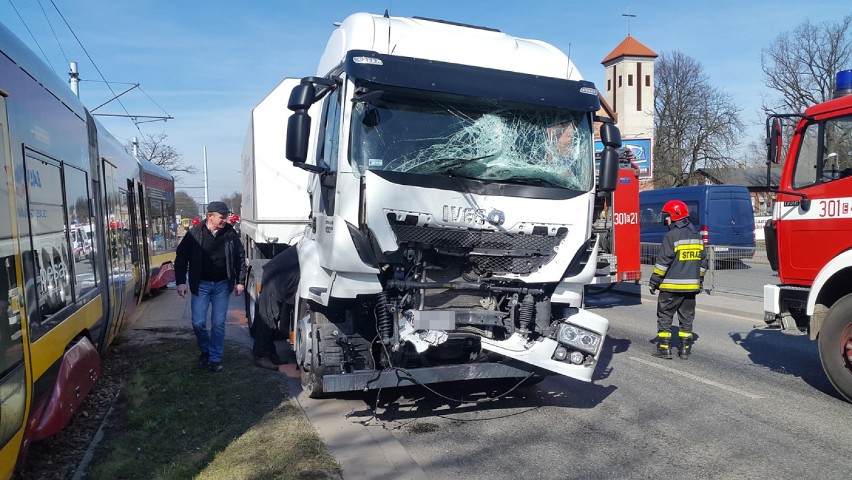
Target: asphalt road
[(751, 403)]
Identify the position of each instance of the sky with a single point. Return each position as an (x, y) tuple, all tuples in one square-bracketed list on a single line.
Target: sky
[(208, 63)]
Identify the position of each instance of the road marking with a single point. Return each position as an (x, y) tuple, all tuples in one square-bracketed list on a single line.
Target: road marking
[(697, 378)]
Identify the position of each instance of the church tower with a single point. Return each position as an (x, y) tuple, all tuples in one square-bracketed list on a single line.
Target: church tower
[(630, 88)]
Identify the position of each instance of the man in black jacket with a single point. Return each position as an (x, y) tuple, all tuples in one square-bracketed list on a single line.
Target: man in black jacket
[(279, 286), (216, 261), (679, 276)]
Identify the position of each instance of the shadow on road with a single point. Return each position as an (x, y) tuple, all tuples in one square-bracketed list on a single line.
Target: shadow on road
[(786, 354)]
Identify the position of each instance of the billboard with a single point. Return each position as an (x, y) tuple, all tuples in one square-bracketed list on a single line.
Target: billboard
[(641, 150)]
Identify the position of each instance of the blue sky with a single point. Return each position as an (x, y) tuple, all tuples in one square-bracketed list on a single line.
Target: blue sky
[(207, 63)]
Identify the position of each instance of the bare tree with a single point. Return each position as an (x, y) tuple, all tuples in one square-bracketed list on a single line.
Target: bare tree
[(155, 149), (801, 64), (234, 201), (185, 205), (696, 124)]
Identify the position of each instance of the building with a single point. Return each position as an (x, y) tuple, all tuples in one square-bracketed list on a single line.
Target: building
[(629, 92)]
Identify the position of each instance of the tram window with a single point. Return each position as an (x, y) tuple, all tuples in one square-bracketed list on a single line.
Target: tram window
[(158, 231), (80, 229), (49, 236), (171, 224)]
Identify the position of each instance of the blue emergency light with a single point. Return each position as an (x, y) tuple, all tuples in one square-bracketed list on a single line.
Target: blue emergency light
[(843, 85)]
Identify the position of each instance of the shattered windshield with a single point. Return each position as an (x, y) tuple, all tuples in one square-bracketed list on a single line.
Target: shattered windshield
[(489, 140)]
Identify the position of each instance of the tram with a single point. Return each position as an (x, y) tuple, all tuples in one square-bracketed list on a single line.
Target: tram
[(86, 231)]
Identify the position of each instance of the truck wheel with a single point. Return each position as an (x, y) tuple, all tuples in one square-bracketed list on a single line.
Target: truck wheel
[(251, 304), (307, 354), (835, 346)]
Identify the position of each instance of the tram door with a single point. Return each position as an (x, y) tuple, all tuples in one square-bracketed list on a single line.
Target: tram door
[(116, 249), (13, 384)]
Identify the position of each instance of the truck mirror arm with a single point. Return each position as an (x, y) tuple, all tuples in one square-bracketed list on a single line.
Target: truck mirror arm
[(311, 168), (806, 202)]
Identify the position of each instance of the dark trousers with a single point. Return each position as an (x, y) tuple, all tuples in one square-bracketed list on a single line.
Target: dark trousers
[(264, 335), (670, 302)]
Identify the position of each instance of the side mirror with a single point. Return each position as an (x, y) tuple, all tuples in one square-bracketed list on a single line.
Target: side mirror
[(608, 170), (773, 142), (298, 133), (299, 124), (610, 135), (301, 97)]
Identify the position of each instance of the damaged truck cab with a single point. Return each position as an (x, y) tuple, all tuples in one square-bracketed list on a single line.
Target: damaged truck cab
[(452, 191)]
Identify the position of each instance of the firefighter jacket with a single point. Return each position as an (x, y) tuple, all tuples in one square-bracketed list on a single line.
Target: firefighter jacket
[(682, 261)]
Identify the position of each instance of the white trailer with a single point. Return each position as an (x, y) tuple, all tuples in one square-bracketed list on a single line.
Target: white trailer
[(275, 203), (452, 185)]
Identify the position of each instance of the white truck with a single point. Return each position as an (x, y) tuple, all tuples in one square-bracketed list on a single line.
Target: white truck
[(451, 188)]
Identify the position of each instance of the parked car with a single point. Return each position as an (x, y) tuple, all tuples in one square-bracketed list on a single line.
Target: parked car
[(722, 214)]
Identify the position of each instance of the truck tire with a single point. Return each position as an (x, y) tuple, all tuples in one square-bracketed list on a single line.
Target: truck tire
[(307, 352), (835, 346), (251, 304)]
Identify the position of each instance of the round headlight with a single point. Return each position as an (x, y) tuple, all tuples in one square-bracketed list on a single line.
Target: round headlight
[(577, 357), (561, 353)]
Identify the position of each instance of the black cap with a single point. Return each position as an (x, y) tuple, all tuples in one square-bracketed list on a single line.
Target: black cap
[(219, 207)]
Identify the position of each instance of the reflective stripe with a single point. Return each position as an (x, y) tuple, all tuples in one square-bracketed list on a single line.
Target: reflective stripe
[(664, 334), (689, 246), (684, 334), (669, 286), (689, 241), (682, 281), (659, 272)]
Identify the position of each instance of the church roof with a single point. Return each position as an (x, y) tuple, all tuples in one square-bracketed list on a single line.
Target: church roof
[(629, 47)]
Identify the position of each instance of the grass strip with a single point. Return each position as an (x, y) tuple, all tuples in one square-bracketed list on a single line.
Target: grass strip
[(176, 421)]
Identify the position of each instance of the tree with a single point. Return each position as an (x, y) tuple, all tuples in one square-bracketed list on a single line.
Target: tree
[(696, 125), (185, 206), (235, 201), (155, 149), (801, 65)]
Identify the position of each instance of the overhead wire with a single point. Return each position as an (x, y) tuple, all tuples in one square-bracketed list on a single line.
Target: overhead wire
[(49, 24), (135, 124), (30, 32)]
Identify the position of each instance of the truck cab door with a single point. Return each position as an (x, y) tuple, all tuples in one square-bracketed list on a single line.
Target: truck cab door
[(823, 172), (324, 191)]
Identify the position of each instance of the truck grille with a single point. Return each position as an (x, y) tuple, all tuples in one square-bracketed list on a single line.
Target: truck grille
[(495, 252)]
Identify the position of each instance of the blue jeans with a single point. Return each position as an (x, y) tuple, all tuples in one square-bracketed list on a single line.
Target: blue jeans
[(215, 295)]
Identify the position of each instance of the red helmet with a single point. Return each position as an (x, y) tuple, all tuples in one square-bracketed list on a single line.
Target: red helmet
[(195, 222), (676, 209)]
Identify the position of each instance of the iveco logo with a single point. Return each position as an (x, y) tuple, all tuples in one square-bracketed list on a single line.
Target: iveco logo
[(496, 218)]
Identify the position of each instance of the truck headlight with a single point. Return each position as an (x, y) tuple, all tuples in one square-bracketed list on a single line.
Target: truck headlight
[(579, 338)]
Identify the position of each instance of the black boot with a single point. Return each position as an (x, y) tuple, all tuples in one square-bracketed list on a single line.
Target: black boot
[(685, 348), (664, 349)]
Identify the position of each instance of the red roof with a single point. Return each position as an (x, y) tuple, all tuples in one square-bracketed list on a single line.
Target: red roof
[(629, 47)]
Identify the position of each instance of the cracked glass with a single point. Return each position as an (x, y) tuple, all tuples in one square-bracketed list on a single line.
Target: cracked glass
[(429, 133)]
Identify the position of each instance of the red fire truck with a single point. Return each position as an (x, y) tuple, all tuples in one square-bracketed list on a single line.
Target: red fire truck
[(617, 223), (809, 239)]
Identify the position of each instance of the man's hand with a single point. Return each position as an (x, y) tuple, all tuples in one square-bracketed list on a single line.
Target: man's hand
[(182, 289), (239, 289), (652, 290)]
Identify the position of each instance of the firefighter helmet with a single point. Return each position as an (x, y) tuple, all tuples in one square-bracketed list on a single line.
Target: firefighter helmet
[(676, 209)]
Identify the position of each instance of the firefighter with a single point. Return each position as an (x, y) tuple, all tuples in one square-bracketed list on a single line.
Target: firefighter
[(679, 276)]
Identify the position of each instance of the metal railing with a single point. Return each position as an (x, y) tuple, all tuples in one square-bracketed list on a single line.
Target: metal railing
[(736, 271)]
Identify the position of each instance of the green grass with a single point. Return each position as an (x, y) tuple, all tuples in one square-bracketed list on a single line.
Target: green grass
[(176, 421)]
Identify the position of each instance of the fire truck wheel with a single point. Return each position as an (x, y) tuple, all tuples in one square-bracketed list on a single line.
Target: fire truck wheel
[(835, 346)]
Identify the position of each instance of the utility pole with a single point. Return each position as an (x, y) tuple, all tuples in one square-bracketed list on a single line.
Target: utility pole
[(135, 144), (206, 197), (74, 79)]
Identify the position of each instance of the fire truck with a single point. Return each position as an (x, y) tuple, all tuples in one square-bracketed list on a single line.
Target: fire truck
[(809, 239), (617, 224)]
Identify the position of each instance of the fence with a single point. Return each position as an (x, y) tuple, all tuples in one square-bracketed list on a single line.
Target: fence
[(735, 271)]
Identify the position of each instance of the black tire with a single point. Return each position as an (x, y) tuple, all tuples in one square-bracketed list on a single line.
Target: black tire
[(251, 305), (835, 346), (311, 369)]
